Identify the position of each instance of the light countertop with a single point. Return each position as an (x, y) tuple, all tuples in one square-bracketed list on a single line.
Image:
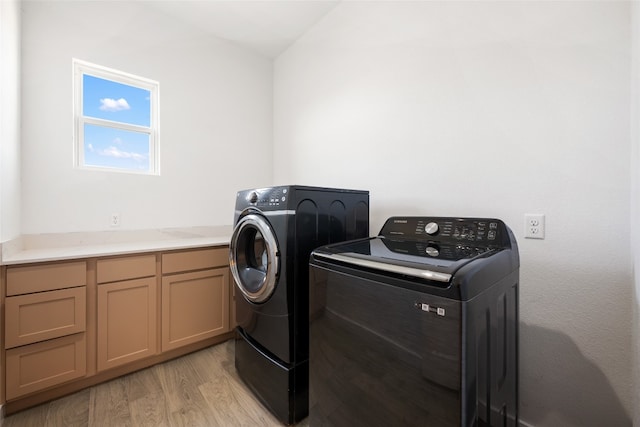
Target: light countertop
[(62, 246)]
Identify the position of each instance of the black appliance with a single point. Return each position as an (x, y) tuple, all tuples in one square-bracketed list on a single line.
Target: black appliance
[(275, 230), (417, 326)]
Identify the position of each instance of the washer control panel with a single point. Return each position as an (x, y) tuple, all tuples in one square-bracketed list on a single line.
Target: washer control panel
[(435, 249), (481, 231)]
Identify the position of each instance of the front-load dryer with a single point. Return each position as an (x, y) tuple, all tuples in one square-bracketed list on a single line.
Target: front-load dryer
[(275, 230)]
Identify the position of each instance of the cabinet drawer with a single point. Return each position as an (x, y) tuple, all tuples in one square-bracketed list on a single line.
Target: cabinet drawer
[(175, 262), (124, 268), (38, 366), (42, 316), (47, 277)]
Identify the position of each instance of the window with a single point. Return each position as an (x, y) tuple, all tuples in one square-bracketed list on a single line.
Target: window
[(115, 120)]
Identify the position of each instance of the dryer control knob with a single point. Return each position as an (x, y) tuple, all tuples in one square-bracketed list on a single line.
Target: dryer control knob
[(431, 228), (253, 197)]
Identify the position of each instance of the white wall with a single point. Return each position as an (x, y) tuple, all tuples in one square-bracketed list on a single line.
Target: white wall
[(9, 119), (489, 109), (635, 200), (215, 118)]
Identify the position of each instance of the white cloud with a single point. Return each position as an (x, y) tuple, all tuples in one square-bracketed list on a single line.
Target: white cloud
[(108, 104), (113, 151)]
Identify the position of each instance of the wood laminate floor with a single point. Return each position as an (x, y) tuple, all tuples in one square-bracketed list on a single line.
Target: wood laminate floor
[(201, 389)]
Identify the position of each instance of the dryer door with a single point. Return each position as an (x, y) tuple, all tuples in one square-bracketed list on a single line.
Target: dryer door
[(253, 257)]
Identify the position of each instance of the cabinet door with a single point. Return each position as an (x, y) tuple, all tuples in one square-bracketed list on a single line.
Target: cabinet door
[(126, 322), (195, 306)]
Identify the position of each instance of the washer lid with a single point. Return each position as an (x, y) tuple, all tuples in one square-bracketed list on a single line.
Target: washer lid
[(424, 259)]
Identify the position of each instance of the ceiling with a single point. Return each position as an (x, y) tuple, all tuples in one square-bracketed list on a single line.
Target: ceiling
[(265, 26)]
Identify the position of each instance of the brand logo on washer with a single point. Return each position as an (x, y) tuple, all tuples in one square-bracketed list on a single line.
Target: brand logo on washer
[(430, 309), (399, 221)]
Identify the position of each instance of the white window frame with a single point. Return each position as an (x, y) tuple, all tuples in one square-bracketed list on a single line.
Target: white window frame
[(80, 68)]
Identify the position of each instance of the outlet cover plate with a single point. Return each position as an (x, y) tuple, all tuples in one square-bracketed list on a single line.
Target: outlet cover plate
[(534, 226)]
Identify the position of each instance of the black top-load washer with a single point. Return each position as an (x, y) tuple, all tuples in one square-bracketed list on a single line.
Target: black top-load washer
[(417, 326)]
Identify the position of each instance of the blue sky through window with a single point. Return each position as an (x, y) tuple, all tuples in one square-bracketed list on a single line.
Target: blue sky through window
[(109, 100), (116, 148), (111, 147)]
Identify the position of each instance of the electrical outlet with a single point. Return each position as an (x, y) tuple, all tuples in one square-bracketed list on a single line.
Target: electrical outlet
[(534, 226), (114, 220)]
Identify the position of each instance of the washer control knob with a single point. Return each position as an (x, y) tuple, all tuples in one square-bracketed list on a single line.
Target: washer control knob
[(431, 228), (432, 251), (253, 197)]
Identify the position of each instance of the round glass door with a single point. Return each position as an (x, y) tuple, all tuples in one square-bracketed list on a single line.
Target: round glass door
[(253, 257)]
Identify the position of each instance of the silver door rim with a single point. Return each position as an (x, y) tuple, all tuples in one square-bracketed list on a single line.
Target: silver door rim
[(269, 281)]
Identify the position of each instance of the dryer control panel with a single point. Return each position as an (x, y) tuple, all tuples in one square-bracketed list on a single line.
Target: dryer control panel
[(266, 197)]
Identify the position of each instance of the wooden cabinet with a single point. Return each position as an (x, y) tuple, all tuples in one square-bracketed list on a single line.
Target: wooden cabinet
[(126, 312), (195, 296), (45, 323), (72, 324)]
